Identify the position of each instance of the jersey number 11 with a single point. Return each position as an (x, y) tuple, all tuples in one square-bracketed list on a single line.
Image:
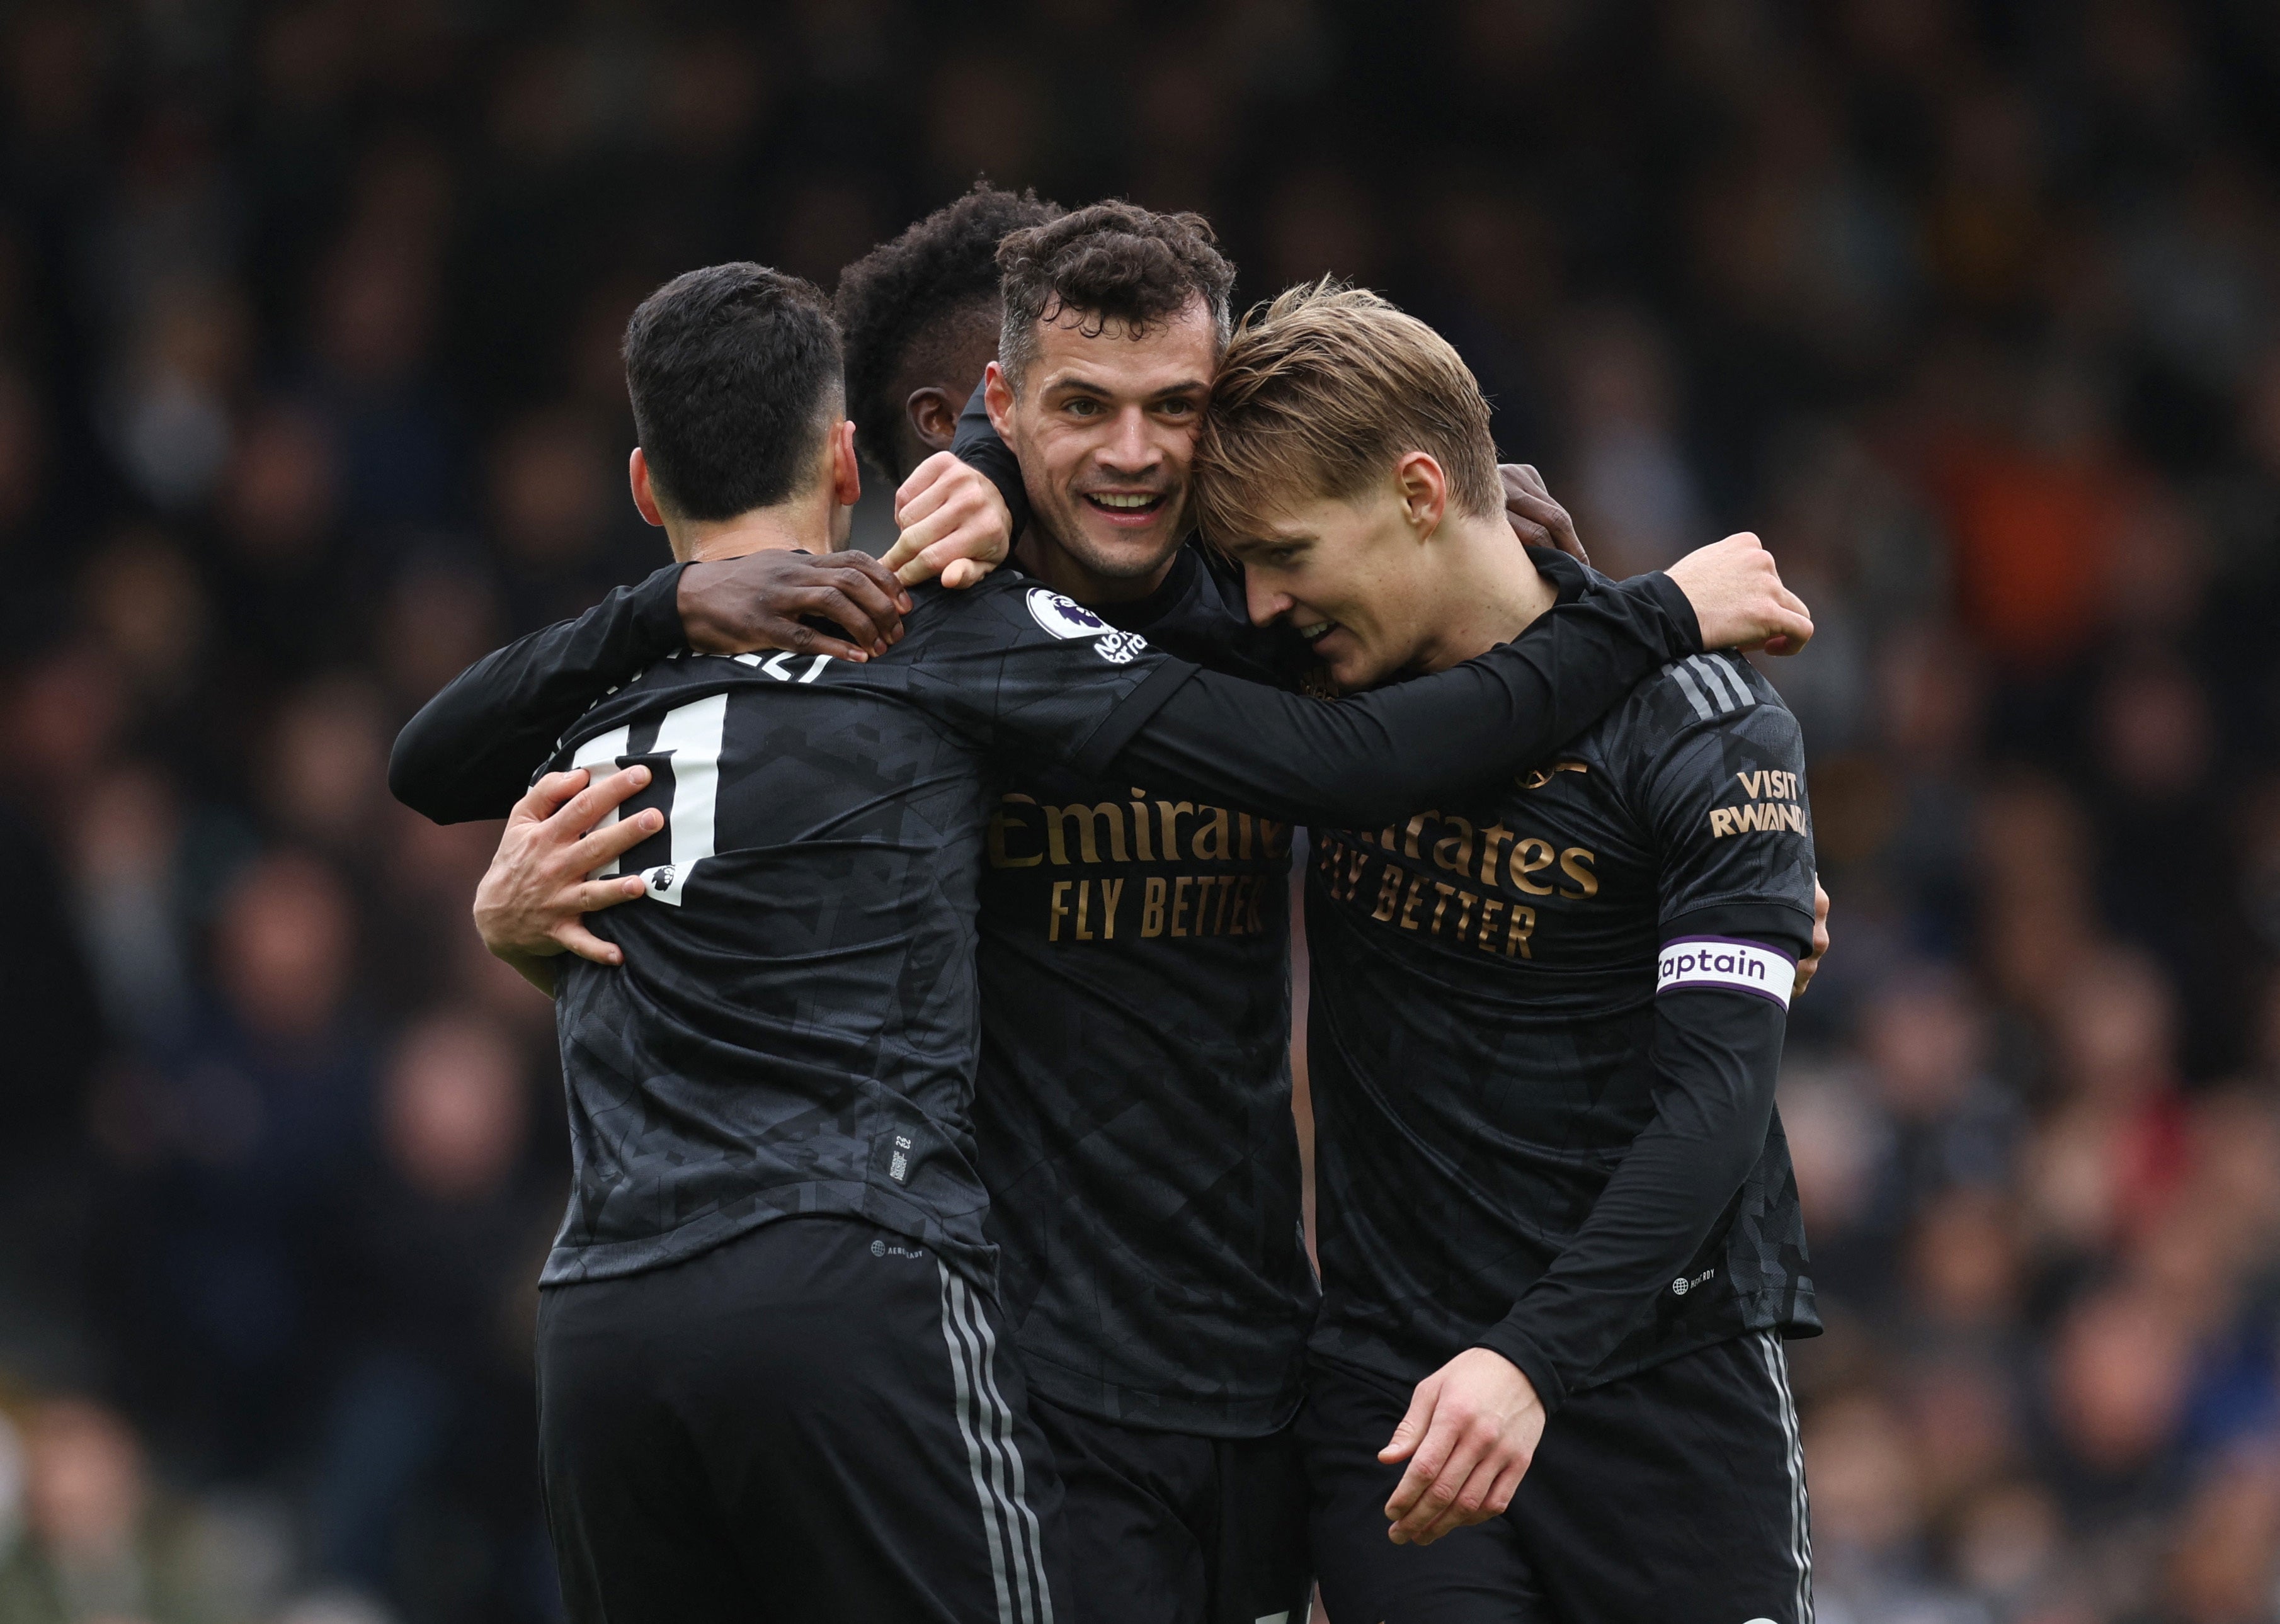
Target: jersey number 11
[(685, 760)]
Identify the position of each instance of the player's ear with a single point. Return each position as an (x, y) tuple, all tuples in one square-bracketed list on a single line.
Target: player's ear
[(934, 416), (997, 395), (644, 493), (846, 471), (1422, 489)]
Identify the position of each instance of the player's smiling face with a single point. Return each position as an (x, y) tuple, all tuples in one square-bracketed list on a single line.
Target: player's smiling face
[(1105, 425), (1347, 574)]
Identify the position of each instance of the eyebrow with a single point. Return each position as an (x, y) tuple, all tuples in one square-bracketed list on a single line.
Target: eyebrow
[(1257, 543), (1085, 386)]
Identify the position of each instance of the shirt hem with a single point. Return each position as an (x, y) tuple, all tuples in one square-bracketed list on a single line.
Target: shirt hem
[(1792, 1313), (570, 1265)]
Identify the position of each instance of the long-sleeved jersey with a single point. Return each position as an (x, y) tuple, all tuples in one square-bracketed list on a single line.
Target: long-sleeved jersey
[(800, 993), (1546, 1022)]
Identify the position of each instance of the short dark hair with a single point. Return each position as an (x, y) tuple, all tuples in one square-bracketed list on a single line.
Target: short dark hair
[(732, 370), (1114, 262), (905, 307)]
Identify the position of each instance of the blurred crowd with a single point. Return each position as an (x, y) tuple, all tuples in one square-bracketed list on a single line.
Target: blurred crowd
[(309, 395)]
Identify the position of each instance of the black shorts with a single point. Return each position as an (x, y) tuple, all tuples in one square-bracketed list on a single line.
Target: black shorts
[(1673, 1496), (1172, 1527), (815, 1420)]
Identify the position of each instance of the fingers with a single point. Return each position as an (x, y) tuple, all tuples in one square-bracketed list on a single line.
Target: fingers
[(961, 573), (593, 896), (586, 809), (1414, 1424), (1471, 1476), (793, 638), (929, 483), (1537, 519), (1506, 1486), (1739, 599), (919, 536), (1811, 962), (598, 848), (1791, 625), (738, 606), (872, 586), (973, 527), (897, 559), (868, 624), (1523, 477), (578, 940), (1437, 1472), (546, 798)]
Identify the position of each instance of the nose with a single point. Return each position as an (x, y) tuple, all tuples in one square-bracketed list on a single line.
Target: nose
[(1130, 448), (1263, 601)]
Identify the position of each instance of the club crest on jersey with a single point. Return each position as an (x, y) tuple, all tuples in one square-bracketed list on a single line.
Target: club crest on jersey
[(1063, 617)]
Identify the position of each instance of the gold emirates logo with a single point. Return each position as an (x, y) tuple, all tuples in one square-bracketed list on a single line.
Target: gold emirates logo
[(1025, 833)]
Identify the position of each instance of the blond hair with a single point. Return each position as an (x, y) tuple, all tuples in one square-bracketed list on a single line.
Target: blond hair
[(1319, 394)]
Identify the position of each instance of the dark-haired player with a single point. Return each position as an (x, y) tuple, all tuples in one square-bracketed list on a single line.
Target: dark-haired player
[(1558, 1230), (920, 317)]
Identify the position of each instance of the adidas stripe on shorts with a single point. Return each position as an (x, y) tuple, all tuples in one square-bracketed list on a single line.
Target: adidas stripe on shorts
[(1675, 1495), (815, 1420)]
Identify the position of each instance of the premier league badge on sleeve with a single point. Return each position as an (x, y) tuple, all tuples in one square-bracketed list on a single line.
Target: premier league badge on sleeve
[(1063, 617)]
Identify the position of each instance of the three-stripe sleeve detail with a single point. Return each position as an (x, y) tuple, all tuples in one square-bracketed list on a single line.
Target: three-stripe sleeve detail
[(1711, 686), (1678, 673), (1800, 1534), (985, 1422)]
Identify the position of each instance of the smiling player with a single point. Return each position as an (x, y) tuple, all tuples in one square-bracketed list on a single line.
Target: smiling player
[(1558, 1230)]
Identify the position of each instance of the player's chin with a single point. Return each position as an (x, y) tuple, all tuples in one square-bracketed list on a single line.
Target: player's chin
[(1350, 666), (1124, 549)]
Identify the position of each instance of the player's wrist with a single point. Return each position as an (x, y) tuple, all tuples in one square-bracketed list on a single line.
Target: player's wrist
[(1528, 1362), (1683, 623)]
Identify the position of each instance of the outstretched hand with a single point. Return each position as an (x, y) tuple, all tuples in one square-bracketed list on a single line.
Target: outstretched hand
[(1471, 1431), (954, 524), (532, 904)]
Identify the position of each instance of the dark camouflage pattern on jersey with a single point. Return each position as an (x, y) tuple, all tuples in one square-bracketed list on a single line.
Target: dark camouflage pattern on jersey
[(794, 1027), (1134, 1101), (1483, 1008)]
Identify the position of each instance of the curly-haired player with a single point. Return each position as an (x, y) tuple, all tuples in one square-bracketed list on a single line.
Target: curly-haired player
[(921, 315)]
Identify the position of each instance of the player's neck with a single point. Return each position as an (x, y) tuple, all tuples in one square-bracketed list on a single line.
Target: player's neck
[(1042, 555), (806, 523), (1485, 590)]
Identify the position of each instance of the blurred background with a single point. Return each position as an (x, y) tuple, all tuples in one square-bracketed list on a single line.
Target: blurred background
[(309, 395)]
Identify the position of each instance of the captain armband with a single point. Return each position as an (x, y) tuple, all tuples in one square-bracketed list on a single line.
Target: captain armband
[(1725, 962)]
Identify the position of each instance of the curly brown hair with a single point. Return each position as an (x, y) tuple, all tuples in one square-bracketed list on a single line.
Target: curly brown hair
[(1116, 264)]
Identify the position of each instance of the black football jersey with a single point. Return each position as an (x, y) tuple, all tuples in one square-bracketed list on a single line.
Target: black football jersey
[(1483, 1043), (1133, 1116), (1134, 1099), (794, 1027)]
